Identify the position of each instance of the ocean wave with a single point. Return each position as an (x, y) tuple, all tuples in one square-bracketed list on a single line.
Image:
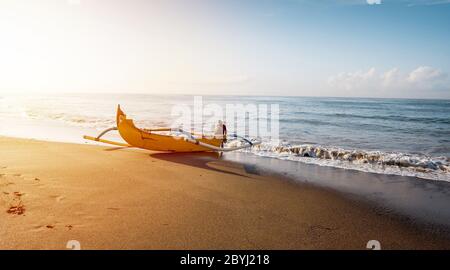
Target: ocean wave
[(71, 119), (405, 164), (88, 121)]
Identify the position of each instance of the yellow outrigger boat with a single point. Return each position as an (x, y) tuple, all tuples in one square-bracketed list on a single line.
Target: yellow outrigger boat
[(182, 141)]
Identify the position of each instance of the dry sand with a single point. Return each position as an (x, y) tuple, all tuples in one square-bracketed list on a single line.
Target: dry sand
[(112, 198)]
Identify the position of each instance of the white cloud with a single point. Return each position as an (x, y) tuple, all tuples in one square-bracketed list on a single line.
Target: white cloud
[(374, 2), (392, 81), (353, 80), (391, 77), (425, 74)]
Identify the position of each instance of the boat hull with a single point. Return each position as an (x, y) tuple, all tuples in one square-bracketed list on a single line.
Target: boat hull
[(157, 142)]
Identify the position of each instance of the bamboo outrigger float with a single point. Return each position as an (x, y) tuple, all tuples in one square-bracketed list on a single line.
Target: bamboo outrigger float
[(183, 141)]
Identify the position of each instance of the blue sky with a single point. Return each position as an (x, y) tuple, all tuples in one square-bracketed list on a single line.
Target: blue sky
[(396, 48)]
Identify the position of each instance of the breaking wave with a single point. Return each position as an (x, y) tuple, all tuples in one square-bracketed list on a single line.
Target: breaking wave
[(405, 164)]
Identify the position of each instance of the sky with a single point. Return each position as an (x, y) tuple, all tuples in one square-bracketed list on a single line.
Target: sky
[(361, 48)]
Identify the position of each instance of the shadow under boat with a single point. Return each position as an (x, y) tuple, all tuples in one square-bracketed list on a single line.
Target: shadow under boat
[(207, 160)]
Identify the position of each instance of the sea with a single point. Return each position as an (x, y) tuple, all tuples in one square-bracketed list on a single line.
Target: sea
[(406, 137)]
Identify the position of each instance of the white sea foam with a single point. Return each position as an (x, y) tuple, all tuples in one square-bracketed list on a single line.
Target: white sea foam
[(405, 164)]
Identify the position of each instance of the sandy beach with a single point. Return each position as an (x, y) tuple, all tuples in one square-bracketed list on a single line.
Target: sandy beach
[(115, 198)]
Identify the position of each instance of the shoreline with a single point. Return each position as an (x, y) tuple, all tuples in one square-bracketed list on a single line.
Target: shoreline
[(113, 198)]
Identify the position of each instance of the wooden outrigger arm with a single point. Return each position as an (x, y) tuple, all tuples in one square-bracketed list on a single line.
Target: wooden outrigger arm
[(223, 149), (99, 139)]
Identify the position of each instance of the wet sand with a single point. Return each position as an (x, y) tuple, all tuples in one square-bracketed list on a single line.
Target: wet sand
[(115, 198), (420, 201)]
